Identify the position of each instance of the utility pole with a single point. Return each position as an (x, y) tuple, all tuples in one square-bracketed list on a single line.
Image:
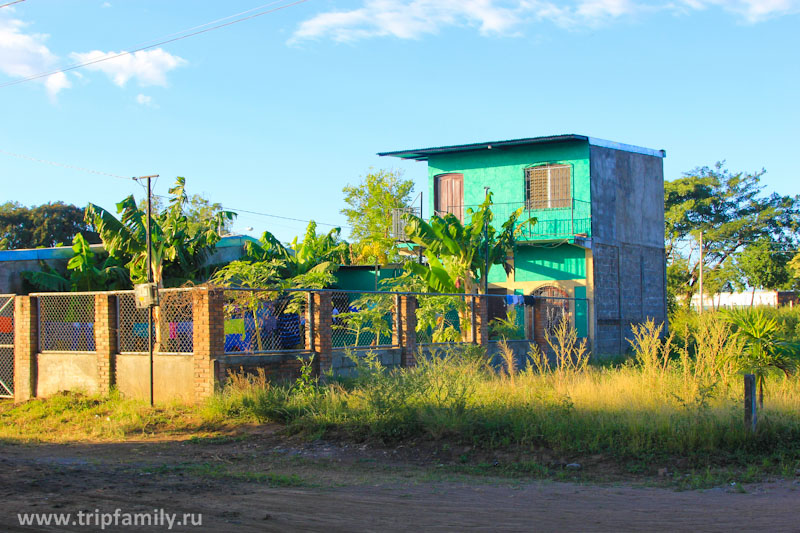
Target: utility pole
[(701, 271), (152, 300), (486, 238)]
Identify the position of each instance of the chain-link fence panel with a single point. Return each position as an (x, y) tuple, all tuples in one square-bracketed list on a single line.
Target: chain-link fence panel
[(173, 323), (66, 322), (258, 321), (443, 319), (363, 319), (6, 346)]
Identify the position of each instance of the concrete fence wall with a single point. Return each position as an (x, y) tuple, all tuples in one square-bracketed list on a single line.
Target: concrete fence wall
[(192, 377)]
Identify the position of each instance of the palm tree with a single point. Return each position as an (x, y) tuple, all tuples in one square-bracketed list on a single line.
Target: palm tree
[(764, 351)]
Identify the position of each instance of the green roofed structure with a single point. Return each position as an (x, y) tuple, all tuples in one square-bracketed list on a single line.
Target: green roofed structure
[(599, 238)]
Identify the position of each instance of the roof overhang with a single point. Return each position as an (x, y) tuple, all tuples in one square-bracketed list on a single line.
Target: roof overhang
[(423, 154)]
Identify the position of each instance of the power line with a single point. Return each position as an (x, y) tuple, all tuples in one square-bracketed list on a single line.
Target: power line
[(64, 165), (149, 46), (284, 218), (11, 3)]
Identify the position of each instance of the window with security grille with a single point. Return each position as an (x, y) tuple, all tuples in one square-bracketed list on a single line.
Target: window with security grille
[(548, 186)]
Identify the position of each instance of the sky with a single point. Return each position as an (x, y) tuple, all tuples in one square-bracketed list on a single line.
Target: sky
[(277, 113)]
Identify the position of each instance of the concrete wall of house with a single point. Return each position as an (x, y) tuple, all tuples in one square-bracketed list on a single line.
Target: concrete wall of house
[(503, 169), (629, 270)]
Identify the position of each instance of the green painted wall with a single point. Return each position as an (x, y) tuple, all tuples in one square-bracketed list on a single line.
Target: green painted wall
[(504, 171), (541, 263), (363, 279)]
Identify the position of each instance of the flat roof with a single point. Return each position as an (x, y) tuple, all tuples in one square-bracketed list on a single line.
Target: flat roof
[(65, 252), (422, 154)]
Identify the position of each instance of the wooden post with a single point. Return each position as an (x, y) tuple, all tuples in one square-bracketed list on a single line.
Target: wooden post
[(750, 415)]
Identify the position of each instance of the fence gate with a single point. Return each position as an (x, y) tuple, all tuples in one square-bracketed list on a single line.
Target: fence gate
[(6, 345)]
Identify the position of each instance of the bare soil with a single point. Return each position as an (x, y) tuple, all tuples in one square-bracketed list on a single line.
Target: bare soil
[(263, 481)]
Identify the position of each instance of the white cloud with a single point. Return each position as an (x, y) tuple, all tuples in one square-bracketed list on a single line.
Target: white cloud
[(106, 4), (751, 11), (143, 99), (411, 19), (25, 54), (148, 67), (55, 82)]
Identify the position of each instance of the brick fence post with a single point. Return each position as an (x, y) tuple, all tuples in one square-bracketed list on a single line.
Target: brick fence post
[(481, 334), (105, 338), (408, 324), (208, 337), (26, 345), (322, 314)]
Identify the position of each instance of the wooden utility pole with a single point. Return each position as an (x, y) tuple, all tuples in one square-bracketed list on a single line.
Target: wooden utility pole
[(701, 271)]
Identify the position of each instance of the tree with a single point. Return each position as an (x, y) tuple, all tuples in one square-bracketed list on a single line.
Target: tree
[(763, 266), (42, 226), (370, 214), (198, 211), (730, 211)]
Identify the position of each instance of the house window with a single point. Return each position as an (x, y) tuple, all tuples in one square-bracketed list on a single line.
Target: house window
[(548, 186)]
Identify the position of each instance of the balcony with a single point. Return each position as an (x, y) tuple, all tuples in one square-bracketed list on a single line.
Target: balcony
[(556, 220)]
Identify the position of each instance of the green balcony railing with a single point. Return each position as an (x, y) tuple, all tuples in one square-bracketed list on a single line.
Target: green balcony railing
[(555, 219)]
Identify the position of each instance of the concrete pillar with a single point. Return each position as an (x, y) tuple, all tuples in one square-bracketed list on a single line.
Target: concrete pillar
[(105, 337), (26, 346), (208, 336), (408, 327), (322, 322), (481, 304)]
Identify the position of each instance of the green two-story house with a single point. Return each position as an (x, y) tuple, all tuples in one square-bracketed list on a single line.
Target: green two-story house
[(596, 253)]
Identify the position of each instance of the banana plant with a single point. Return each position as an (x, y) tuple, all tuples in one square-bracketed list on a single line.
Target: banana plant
[(178, 249), (85, 272), (318, 253), (456, 253)]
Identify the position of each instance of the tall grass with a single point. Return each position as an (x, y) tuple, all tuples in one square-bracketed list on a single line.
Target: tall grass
[(665, 402)]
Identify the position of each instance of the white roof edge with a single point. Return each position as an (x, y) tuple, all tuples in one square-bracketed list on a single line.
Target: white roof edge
[(626, 147)]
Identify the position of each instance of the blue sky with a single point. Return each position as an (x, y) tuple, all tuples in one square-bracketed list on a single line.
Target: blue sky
[(276, 114)]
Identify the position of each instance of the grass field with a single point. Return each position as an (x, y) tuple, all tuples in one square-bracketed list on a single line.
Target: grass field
[(675, 403)]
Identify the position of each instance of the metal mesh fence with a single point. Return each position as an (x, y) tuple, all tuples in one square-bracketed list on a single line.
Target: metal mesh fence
[(264, 321), (443, 319), (363, 319), (66, 322), (6, 346), (173, 324)]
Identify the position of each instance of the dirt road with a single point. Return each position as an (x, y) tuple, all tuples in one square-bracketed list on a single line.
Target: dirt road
[(262, 484)]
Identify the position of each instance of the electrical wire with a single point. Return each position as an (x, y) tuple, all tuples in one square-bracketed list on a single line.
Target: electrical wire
[(149, 46), (283, 218), (11, 3), (63, 165)]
